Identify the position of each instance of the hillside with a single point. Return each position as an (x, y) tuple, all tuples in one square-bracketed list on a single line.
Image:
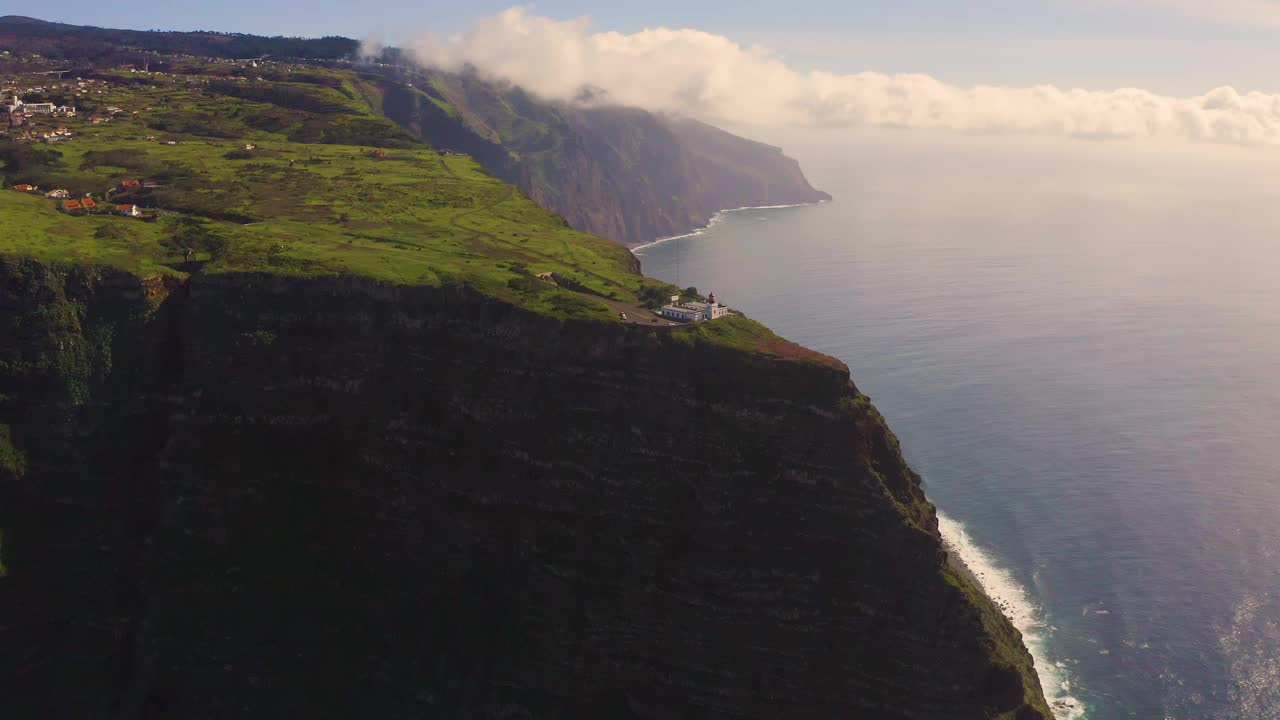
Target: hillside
[(60, 41), (342, 426), (622, 173), (303, 201)]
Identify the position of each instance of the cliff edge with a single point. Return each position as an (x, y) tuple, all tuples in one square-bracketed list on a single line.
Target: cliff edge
[(258, 495), (618, 172)]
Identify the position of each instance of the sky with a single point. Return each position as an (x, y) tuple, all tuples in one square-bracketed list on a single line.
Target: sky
[(1179, 47)]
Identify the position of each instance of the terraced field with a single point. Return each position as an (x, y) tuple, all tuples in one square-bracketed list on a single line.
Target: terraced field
[(329, 188)]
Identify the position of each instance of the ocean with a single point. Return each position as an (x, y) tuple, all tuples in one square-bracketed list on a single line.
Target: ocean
[(1078, 344)]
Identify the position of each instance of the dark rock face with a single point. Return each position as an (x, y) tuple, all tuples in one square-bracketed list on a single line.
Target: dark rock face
[(621, 173), (279, 497)]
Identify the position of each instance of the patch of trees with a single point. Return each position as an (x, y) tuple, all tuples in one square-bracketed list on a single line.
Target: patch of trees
[(126, 158), (24, 162), (194, 123), (286, 95), (655, 296), (191, 235), (372, 132), (57, 98)]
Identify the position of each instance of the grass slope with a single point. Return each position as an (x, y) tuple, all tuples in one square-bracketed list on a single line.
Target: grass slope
[(315, 197)]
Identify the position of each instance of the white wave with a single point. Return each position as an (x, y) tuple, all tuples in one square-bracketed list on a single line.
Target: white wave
[(637, 249), (716, 220), (1016, 603)]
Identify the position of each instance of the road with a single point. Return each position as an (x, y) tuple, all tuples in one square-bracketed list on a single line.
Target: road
[(637, 314)]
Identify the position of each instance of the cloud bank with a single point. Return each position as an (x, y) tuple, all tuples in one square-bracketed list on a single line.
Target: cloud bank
[(711, 77)]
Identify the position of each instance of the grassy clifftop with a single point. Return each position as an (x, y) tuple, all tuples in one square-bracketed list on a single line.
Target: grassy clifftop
[(329, 188)]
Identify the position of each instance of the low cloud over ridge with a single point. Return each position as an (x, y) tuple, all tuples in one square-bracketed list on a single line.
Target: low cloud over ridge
[(713, 78)]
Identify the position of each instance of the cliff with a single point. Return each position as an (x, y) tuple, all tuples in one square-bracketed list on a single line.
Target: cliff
[(256, 495), (622, 173)]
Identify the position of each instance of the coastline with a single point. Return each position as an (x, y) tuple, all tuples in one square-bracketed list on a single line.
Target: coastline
[(1000, 586), (716, 219), (997, 583)]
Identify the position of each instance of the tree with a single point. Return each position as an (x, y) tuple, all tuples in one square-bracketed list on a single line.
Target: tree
[(191, 235)]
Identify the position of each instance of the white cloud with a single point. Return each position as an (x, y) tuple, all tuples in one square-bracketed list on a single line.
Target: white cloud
[(713, 78)]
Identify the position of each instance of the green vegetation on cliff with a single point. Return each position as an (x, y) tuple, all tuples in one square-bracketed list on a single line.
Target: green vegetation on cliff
[(623, 173), (314, 439), (11, 459), (329, 188)]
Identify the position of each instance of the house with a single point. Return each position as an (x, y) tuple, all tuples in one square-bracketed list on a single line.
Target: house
[(58, 194), (694, 311), (38, 108), (25, 188), (72, 206), (87, 203), (129, 210), (378, 153), (250, 146), (96, 119), (130, 184)]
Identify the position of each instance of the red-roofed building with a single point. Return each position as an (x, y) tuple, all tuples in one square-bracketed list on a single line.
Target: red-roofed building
[(130, 184), (87, 203), (25, 188), (129, 210), (72, 205)]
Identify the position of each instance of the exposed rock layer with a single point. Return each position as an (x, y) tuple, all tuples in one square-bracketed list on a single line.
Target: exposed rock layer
[(622, 173), (254, 496)]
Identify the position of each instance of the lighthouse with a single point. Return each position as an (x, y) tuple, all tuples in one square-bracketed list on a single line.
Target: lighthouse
[(711, 306)]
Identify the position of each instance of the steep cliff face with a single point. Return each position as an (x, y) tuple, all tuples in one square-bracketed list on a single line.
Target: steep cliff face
[(622, 173), (257, 496)]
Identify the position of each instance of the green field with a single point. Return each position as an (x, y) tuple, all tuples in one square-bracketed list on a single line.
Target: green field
[(308, 200)]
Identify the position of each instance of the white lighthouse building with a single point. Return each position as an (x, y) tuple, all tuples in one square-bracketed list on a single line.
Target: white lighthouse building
[(694, 311)]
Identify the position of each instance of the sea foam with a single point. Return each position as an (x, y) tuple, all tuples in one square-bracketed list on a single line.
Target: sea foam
[(1016, 603), (716, 220)]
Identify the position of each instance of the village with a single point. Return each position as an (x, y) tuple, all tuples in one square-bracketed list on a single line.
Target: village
[(86, 204), (48, 122)]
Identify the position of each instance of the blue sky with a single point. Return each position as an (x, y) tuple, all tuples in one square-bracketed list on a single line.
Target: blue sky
[(1169, 46)]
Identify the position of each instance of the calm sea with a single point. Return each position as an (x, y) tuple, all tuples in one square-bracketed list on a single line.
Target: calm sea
[(1079, 346)]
